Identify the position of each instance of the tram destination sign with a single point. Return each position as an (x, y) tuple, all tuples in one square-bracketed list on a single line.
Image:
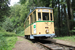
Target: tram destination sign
[(43, 10)]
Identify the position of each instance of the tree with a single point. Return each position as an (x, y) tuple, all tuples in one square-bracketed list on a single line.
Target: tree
[(4, 9), (8, 25), (24, 11)]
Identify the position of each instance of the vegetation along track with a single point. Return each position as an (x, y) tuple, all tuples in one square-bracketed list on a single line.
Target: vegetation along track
[(50, 45)]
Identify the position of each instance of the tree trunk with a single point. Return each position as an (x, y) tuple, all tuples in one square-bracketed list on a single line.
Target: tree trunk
[(59, 17), (61, 14), (66, 16), (70, 13)]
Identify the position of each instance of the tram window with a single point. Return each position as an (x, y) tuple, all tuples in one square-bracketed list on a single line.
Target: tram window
[(31, 18), (51, 15), (45, 16), (34, 14), (39, 16), (27, 22)]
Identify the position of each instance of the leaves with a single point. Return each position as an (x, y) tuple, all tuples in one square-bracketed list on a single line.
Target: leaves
[(4, 9), (8, 25), (18, 15)]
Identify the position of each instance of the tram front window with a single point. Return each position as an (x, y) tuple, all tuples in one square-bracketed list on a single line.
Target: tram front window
[(45, 16), (39, 16)]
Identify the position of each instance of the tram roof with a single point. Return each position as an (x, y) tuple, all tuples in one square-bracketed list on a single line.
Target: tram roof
[(42, 8), (38, 8)]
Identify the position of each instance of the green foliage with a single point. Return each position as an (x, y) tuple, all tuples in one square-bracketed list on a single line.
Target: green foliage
[(72, 31), (24, 11), (7, 40), (8, 25), (19, 29), (18, 15), (21, 33), (3, 43), (68, 38), (73, 3), (4, 9), (22, 1), (11, 42), (7, 34)]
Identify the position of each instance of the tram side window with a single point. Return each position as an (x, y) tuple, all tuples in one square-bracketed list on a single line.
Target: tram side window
[(34, 14), (45, 16), (39, 16), (31, 18), (51, 15), (27, 22)]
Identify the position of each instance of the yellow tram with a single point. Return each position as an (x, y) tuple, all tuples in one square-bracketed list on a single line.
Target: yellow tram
[(40, 23)]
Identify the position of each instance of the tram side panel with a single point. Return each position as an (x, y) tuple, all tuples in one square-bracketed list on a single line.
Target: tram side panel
[(27, 31), (34, 29)]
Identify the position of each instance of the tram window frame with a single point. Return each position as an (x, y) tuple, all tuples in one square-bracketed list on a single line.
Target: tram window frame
[(39, 16), (27, 22), (51, 15), (43, 17), (34, 16)]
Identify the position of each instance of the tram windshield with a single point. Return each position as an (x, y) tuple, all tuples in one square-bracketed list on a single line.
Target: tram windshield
[(45, 16), (39, 16)]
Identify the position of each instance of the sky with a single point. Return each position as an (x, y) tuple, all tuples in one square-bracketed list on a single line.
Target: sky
[(13, 2)]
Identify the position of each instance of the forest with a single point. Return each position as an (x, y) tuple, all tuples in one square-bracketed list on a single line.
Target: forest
[(12, 18)]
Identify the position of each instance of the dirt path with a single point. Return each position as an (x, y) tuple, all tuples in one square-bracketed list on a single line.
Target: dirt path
[(23, 44)]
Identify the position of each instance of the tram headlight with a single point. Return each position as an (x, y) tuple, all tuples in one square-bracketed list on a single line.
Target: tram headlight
[(53, 32), (39, 32)]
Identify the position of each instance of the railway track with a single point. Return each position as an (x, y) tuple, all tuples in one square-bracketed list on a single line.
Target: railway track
[(56, 46), (50, 45), (53, 46)]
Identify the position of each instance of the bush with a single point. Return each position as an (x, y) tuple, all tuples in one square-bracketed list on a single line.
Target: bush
[(21, 33), (19, 30), (3, 43), (8, 25), (7, 40)]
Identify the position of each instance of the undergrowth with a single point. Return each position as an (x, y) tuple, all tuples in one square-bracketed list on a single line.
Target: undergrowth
[(68, 38), (21, 33), (7, 40)]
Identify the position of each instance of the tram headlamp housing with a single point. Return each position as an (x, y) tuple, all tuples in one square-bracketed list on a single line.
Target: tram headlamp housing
[(39, 32)]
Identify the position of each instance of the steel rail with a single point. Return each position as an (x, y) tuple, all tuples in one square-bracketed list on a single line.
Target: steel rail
[(65, 45), (45, 46)]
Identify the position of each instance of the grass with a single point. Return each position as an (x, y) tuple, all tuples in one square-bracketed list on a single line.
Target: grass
[(11, 42), (67, 38), (21, 33), (7, 40)]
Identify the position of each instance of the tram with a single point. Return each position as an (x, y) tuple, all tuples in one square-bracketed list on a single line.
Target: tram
[(39, 23)]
